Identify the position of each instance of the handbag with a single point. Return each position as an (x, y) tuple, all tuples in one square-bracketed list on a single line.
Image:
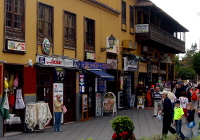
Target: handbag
[(64, 109), (160, 117)]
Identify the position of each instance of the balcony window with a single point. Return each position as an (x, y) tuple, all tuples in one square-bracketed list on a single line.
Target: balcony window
[(131, 20), (14, 11), (45, 23), (123, 15), (69, 30), (89, 35)]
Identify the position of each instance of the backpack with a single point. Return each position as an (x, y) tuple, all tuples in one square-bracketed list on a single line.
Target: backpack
[(194, 95)]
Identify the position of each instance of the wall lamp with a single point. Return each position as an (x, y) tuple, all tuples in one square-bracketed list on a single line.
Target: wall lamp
[(111, 41)]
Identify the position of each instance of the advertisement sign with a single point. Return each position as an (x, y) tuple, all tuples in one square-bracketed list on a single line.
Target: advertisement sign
[(154, 69), (112, 63), (51, 61), (163, 72), (115, 48), (98, 104), (85, 102), (90, 56), (46, 46), (101, 85), (92, 65), (16, 46), (140, 101), (59, 75), (142, 67), (58, 89), (130, 64), (81, 83), (108, 103), (141, 28)]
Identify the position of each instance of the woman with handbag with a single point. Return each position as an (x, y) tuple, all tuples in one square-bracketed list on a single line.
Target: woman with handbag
[(58, 105)]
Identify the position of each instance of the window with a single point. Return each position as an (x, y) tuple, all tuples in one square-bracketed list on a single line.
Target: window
[(45, 23), (139, 17), (69, 30), (89, 35), (14, 20), (123, 12), (131, 20)]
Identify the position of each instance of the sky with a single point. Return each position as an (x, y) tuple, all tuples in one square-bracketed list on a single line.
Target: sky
[(187, 13)]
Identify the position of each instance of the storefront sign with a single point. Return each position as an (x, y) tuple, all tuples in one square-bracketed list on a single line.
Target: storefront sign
[(85, 102), (101, 85), (92, 65), (112, 63), (51, 61), (141, 28), (163, 72), (142, 67), (90, 56), (130, 64), (46, 46), (82, 83), (16, 46), (115, 48), (98, 104), (154, 69)]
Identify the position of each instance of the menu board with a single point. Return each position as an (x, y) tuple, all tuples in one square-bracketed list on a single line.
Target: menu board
[(98, 104), (85, 102), (108, 103)]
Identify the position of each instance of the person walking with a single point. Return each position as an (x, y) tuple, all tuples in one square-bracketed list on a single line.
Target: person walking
[(190, 119), (188, 91), (157, 101), (167, 117), (198, 124), (178, 91), (58, 113), (183, 103), (178, 116), (194, 92), (172, 97)]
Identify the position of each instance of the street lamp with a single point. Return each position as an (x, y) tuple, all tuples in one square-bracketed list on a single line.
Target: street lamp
[(111, 41)]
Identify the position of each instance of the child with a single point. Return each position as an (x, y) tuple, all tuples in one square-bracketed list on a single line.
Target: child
[(178, 116), (183, 103), (190, 119)]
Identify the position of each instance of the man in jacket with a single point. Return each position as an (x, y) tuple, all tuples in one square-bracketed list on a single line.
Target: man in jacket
[(167, 118)]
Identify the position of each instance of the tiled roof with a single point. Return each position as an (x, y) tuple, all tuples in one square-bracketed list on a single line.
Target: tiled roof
[(148, 3), (96, 2)]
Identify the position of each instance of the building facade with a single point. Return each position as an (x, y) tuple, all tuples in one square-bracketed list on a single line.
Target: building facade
[(47, 43)]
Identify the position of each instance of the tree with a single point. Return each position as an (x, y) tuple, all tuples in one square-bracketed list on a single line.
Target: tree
[(196, 62), (186, 73)]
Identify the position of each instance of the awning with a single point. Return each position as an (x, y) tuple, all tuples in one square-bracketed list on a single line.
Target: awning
[(102, 74)]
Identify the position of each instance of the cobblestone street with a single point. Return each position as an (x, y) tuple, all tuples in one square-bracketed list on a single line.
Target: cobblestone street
[(100, 128)]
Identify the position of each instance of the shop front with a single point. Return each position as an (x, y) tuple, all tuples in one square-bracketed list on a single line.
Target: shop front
[(57, 75), (92, 83)]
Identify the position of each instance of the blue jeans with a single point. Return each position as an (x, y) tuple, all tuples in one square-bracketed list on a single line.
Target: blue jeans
[(178, 129), (58, 116)]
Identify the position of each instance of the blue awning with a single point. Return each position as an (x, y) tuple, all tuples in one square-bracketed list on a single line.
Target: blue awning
[(102, 74)]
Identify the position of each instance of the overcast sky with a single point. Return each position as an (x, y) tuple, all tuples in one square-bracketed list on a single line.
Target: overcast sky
[(186, 13)]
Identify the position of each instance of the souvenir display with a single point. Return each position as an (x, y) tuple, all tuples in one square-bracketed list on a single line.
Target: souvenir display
[(16, 82), (19, 104)]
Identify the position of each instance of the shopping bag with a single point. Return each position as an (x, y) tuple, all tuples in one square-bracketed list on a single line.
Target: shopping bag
[(160, 117), (64, 109)]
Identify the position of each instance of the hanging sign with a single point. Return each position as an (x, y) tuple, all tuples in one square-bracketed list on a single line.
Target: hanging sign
[(112, 63), (46, 46), (98, 104), (85, 102), (142, 67), (16, 46), (90, 56), (81, 83)]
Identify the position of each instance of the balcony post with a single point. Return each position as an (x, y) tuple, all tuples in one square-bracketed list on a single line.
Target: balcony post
[(149, 15)]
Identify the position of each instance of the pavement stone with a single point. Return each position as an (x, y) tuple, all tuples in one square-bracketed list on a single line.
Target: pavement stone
[(100, 128)]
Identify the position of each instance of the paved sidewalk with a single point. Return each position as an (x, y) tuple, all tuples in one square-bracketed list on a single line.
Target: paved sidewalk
[(100, 128)]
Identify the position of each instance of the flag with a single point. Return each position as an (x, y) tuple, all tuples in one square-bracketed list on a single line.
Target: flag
[(5, 107)]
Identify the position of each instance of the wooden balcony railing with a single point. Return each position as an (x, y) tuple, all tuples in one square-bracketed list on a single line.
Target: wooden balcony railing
[(154, 33)]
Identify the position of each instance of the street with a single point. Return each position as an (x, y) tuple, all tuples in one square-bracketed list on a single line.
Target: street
[(100, 128)]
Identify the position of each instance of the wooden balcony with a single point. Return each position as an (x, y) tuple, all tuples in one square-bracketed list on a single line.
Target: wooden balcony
[(152, 35)]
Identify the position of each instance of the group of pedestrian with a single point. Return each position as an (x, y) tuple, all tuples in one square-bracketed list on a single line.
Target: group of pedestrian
[(181, 103)]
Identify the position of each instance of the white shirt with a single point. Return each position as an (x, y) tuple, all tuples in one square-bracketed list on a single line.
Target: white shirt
[(183, 102)]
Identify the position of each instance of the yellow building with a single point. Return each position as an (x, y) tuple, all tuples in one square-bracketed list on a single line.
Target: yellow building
[(47, 43)]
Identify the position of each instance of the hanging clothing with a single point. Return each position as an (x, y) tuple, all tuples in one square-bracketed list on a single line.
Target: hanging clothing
[(11, 99), (19, 104)]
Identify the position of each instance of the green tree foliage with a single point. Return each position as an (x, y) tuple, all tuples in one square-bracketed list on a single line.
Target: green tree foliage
[(186, 73), (196, 62)]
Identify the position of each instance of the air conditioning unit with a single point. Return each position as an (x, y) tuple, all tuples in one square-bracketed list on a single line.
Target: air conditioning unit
[(128, 44)]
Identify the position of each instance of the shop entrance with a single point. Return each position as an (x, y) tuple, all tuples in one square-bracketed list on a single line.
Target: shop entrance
[(14, 75), (70, 96), (44, 87), (90, 90)]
